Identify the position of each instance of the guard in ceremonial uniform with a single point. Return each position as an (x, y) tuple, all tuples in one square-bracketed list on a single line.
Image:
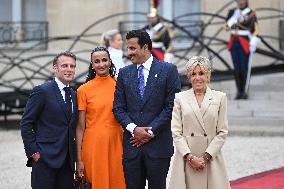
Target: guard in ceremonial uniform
[(159, 34), (242, 23)]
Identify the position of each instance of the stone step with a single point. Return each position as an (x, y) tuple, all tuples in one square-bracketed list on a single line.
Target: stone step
[(252, 88), (262, 96), (262, 83), (257, 114), (256, 89), (256, 121), (267, 88), (256, 130), (271, 79), (258, 105), (264, 108)]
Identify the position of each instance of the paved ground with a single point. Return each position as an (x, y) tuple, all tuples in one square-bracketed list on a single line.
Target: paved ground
[(245, 155)]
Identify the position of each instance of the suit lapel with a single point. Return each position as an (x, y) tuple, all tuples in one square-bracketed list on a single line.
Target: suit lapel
[(74, 100), (194, 105), (153, 77), (206, 101), (74, 103), (60, 98), (134, 81)]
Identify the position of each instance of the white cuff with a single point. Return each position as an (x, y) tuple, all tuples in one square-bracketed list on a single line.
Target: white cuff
[(231, 21), (254, 41), (151, 133), (237, 14), (130, 127), (169, 57)]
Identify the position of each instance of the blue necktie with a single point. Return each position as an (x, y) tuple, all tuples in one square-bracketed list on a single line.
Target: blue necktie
[(141, 80), (68, 102)]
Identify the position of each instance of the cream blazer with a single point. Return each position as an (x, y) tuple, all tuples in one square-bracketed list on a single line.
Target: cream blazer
[(198, 130)]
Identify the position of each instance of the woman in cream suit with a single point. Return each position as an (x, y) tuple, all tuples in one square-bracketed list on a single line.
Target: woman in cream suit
[(199, 127)]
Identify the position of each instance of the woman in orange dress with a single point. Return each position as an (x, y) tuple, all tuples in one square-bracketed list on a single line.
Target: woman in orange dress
[(98, 134)]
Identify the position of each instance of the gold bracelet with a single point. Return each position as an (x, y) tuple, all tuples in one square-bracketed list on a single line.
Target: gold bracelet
[(190, 157), (206, 157)]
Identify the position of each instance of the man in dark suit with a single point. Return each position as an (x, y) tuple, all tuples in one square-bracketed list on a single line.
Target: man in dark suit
[(48, 128), (143, 105)]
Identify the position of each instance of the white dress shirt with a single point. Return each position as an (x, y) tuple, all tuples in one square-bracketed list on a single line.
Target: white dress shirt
[(61, 88), (146, 70)]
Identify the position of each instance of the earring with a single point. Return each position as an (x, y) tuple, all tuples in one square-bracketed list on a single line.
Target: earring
[(94, 71)]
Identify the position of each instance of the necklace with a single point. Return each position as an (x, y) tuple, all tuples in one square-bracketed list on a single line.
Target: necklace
[(199, 93)]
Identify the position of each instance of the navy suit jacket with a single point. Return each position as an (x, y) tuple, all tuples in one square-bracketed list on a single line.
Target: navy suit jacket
[(153, 110), (45, 127)]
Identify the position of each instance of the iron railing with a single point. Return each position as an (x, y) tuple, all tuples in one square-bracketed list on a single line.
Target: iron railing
[(21, 71), (22, 35)]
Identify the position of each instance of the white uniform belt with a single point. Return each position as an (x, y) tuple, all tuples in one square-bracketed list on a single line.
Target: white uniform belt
[(157, 44), (241, 32)]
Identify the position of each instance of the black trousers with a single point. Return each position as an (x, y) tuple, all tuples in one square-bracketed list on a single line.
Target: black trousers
[(44, 177), (143, 167)]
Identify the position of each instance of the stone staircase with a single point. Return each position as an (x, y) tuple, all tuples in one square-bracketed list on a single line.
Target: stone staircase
[(265, 107)]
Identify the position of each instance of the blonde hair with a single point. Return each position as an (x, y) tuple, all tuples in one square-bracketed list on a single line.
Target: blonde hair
[(108, 36), (202, 61)]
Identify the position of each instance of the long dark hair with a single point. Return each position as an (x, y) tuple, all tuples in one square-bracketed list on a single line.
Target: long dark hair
[(92, 72)]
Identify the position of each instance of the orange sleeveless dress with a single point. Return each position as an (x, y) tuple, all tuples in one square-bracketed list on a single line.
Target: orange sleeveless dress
[(102, 140)]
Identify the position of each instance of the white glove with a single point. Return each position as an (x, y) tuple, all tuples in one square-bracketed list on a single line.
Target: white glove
[(237, 14), (168, 57), (252, 48), (253, 43), (233, 20)]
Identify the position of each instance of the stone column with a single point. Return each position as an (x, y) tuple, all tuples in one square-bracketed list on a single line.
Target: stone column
[(17, 18), (168, 9)]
